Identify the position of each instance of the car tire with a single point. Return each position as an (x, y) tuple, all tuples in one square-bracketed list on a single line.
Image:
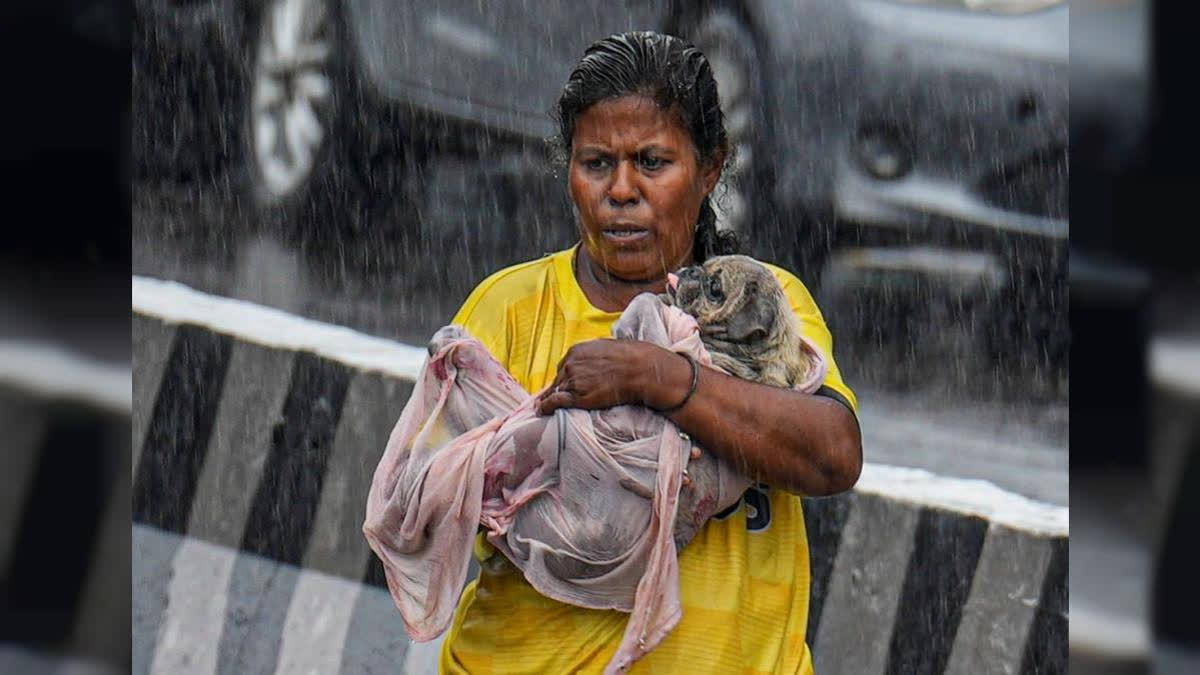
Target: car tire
[(742, 199), (302, 153)]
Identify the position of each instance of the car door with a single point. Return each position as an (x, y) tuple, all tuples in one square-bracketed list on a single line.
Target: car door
[(501, 64)]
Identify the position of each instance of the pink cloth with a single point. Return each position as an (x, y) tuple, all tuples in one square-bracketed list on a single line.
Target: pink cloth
[(587, 504)]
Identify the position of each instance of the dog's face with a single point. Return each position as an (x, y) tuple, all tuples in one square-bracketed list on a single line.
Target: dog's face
[(733, 298)]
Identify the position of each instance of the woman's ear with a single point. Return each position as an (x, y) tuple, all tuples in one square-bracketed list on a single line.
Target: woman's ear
[(712, 171), (753, 321)]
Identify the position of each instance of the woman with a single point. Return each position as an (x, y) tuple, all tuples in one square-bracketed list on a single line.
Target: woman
[(642, 130)]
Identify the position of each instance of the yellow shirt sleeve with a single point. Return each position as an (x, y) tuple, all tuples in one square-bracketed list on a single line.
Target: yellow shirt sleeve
[(484, 314)]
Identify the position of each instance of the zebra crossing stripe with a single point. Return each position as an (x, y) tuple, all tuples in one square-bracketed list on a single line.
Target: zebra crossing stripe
[(259, 591), (153, 554), (376, 640), (195, 610), (314, 632), (226, 611)]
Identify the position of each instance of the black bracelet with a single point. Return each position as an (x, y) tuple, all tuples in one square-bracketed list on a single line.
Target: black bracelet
[(695, 381)]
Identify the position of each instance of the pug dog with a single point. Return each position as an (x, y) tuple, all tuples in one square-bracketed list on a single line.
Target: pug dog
[(746, 321)]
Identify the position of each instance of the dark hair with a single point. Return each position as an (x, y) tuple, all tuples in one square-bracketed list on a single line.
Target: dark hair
[(676, 76)]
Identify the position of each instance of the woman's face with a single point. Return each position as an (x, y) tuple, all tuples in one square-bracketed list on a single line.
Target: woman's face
[(637, 186)]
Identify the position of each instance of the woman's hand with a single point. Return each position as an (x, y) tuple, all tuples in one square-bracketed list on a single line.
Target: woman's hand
[(798, 442), (605, 373)]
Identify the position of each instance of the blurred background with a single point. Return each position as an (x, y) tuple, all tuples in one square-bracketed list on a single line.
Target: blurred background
[(907, 159), (367, 163), (65, 359)]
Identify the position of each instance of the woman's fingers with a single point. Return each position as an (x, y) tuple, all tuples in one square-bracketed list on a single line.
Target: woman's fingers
[(553, 400), (598, 374)]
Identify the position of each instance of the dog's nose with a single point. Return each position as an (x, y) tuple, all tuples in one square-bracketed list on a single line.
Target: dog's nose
[(690, 273)]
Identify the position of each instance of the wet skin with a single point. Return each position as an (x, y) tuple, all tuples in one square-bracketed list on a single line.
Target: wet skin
[(637, 184)]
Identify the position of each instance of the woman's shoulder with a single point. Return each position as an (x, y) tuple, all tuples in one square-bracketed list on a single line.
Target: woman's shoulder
[(781, 273), (511, 284), (516, 278), (793, 287)]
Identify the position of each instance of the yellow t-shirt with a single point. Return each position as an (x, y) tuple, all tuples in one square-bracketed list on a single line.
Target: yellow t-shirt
[(744, 578)]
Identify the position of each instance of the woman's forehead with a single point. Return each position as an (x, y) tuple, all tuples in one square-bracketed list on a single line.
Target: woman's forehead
[(627, 120)]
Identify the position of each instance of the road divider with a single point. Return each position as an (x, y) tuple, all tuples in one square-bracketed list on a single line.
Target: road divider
[(259, 431)]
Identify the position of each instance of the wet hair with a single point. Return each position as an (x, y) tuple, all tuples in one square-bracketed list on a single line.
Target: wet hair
[(676, 76)]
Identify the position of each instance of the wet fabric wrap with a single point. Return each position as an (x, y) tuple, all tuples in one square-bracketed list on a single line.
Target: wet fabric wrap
[(587, 504)]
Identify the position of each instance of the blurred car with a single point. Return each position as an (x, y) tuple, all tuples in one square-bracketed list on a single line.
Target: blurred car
[(920, 137)]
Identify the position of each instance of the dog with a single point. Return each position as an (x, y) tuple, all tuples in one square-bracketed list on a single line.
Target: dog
[(745, 321)]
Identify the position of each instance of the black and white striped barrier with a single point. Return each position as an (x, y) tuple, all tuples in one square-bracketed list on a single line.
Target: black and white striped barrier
[(64, 511), (256, 434)]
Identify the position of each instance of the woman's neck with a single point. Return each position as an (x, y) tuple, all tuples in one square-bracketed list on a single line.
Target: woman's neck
[(606, 291)]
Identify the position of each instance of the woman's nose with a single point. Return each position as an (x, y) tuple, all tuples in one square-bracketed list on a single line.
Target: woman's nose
[(623, 190)]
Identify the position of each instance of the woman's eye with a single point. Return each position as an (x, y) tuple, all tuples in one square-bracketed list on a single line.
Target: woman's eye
[(653, 162), (595, 163)]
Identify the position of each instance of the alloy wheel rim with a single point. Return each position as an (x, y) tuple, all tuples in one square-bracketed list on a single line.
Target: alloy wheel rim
[(291, 91)]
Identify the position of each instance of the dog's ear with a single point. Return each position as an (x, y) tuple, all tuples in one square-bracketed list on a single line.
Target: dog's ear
[(754, 320)]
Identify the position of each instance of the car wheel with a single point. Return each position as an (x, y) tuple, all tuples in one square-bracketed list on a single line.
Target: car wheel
[(311, 134), (742, 199), (291, 104)]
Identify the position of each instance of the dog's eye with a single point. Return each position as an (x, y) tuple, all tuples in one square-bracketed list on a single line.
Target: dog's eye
[(714, 289)]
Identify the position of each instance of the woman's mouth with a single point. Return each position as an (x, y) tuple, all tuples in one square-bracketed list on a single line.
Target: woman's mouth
[(625, 234)]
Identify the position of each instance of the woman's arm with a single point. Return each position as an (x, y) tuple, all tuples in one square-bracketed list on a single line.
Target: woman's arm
[(798, 442)]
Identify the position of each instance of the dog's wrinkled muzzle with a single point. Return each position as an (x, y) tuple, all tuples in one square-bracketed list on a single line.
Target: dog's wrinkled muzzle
[(684, 286)]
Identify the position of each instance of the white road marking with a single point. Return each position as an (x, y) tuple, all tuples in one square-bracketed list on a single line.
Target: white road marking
[(195, 613), (314, 632)]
